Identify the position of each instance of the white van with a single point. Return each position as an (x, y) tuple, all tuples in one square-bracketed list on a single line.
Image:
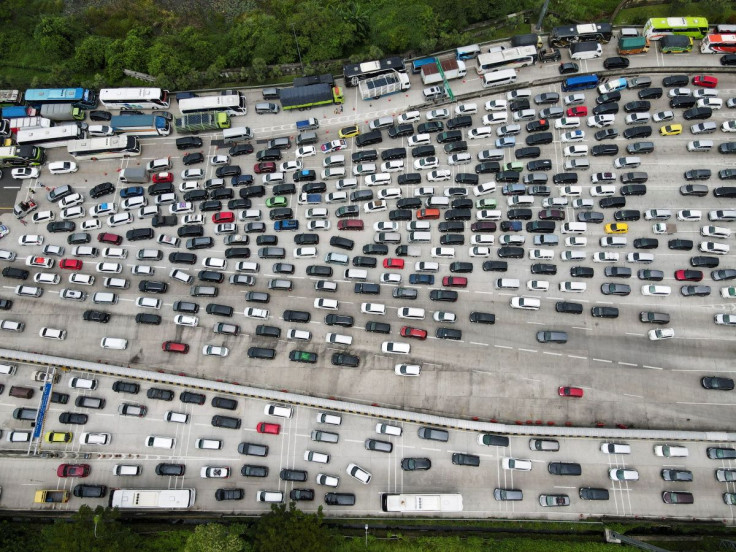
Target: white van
[(126, 470), (114, 343), (333, 172), (388, 429), (574, 227), (507, 283), (104, 297), (396, 348), (236, 134), (328, 418), (413, 313), (585, 50), (339, 339), (208, 444), (317, 213), (426, 266), (270, 496), (160, 442), (373, 308), (700, 145), (420, 237), (176, 417), (443, 252), (83, 383), (499, 78), (356, 274)]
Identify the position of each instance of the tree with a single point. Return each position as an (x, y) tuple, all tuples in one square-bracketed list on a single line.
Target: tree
[(214, 537), (89, 531), (90, 54), (291, 530), (55, 36)]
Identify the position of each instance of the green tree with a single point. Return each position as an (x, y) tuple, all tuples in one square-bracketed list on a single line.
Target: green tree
[(90, 54), (55, 37), (292, 530), (214, 537), (89, 531)]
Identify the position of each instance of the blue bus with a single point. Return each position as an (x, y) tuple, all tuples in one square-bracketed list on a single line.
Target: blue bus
[(583, 82), (416, 65), (83, 98)]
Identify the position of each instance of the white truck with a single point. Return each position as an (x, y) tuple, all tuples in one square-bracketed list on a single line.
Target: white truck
[(384, 85), (451, 67)]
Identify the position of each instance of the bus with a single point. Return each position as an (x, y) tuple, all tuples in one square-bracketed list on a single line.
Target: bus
[(108, 147), (11, 98), (561, 37), (356, 72), (421, 503), (417, 64), (134, 98), (509, 58), (657, 27), (233, 105), (78, 97), (718, 44), (581, 82), (467, 52), (169, 499), (49, 137), (22, 156), (676, 44)]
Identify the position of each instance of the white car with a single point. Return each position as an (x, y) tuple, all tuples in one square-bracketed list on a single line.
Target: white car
[(375, 206), (479, 251), (57, 250), (615, 448), (52, 333), (662, 116), (390, 278), (214, 472), (394, 165), (713, 103), (327, 480), (384, 226), (103, 209), (192, 219), (91, 224), (424, 191), (567, 122), (213, 350), (63, 167), (600, 121), (318, 225), (25, 172), (574, 99), (437, 114), (192, 174), (148, 211), (605, 257), (603, 190), (537, 285), (73, 213), (148, 303), (431, 162), (661, 333), (466, 109), (181, 208), (408, 117), (725, 319), (689, 215), (220, 160), (100, 130), (407, 370), (623, 474), (573, 136), (654, 290), (40, 262), (526, 303), (679, 92), (71, 200), (306, 151), (359, 473), (131, 203), (482, 239), (215, 262), (444, 316), (576, 241), (288, 166), (73, 294), (305, 252), (252, 312), (186, 320), (513, 463), (119, 219), (603, 177), (496, 105), (43, 216), (389, 193), (484, 188), (728, 126), (30, 239), (188, 186), (439, 175)]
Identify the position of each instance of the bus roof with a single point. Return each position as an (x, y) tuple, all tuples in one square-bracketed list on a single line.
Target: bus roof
[(55, 94), (130, 93)]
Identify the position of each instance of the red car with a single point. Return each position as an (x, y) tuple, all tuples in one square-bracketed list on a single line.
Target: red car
[(162, 177), (393, 263), (350, 224), (689, 275), (73, 470), (264, 167), (106, 237), (577, 111), (265, 427), (175, 347), (454, 281), (570, 391), (70, 264), (416, 333), (224, 216), (706, 81)]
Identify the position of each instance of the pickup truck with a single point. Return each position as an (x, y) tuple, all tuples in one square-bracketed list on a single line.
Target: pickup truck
[(309, 199), (45, 496), (547, 55), (307, 124), (289, 224)]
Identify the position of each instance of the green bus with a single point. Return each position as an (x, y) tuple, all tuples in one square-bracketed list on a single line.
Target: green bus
[(22, 156), (676, 44)]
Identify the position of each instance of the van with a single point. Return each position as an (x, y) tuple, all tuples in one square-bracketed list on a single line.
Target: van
[(83, 383), (356, 274), (336, 258), (248, 266), (8, 369), (21, 392), (160, 442), (203, 291), (426, 266), (115, 253), (149, 255), (85, 251), (236, 134), (159, 165), (548, 445), (135, 175), (499, 78), (126, 469), (328, 418), (700, 145), (208, 444), (280, 284), (266, 107), (117, 283), (613, 241), (415, 237), (339, 339), (114, 343), (585, 50), (577, 165), (446, 252), (324, 436), (176, 417), (387, 237), (438, 202), (413, 313), (306, 138), (270, 496), (657, 214), (574, 228), (507, 283), (105, 298)]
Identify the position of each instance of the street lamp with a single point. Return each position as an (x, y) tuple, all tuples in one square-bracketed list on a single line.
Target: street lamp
[(366, 535), (293, 29)]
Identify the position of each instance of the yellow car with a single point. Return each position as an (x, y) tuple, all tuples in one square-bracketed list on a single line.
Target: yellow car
[(616, 228), (58, 437), (670, 130), (349, 132)]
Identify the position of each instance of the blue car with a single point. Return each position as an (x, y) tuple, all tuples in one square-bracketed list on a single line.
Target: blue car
[(421, 279), (242, 180), (132, 191), (289, 224)]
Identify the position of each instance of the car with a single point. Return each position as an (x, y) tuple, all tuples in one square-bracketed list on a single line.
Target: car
[(550, 500), (270, 428), (24, 173), (58, 437), (717, 383), (720, 453), (568, 391), (686, 275), (73, 470), (706, 81), (349, 132)]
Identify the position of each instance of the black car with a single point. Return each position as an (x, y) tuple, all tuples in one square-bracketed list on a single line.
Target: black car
[(430, 126), (152, 286), (160, 394), (364, 156), (240, 149), (415, 464), (590, 216), (461, 121), (170, 469), (568, 67), (723, 274), (73, 418), (569, 307), (697, 113), (443, 295), (610, 108), (617, 272), (456, 147), (616, 63), (683, 102), (604, 149), (345, 359), (650, 93), (100, 115), (96, 316), (530, 152), (227, 422), (705, 261), (378, 327), (581, 272), (714, 382), (102, 189), (61, 226), (301, 494), (423, 151), (404, 129), (608, 97), (193, 158), (642, 131), (340, 499), (89, 491), (675, 80), (375, 249), (626, 215), (604, 312), (537, 126), (539, 165), (126, 387), (539, 139), (227, 170), (637, 106), (606, 134), (591, 493), (230, 494), (495, 266)]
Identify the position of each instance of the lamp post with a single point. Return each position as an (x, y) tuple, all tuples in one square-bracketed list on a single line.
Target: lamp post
[(298, 51), (366, 535)]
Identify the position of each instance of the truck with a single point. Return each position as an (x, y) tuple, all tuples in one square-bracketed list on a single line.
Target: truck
[(29, 122), (307, 124), (633, 45), (141, 125), (18, 111), (61, 112), (452, 68), (201, 120), (315, 79), (305, 97), (51, 495), (384, 85), (309, 199), (289, 224)]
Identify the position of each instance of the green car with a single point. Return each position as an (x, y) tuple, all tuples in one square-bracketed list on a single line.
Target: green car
[(277, 201), (303, 356), (486, 203)]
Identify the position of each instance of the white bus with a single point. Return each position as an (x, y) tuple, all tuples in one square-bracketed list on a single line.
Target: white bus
[(49, 137), (499, 78), (233, 105), (416, 503), (169, 499), (134, 98), (105, 148), (509, 58)]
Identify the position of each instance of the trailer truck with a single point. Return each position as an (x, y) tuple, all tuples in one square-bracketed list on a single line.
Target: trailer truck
[(141, 125), (202, 120), (51, 495), (451, 67), (384, 85), (312, 95), (19, 111), (61, 112), (29, 123)]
